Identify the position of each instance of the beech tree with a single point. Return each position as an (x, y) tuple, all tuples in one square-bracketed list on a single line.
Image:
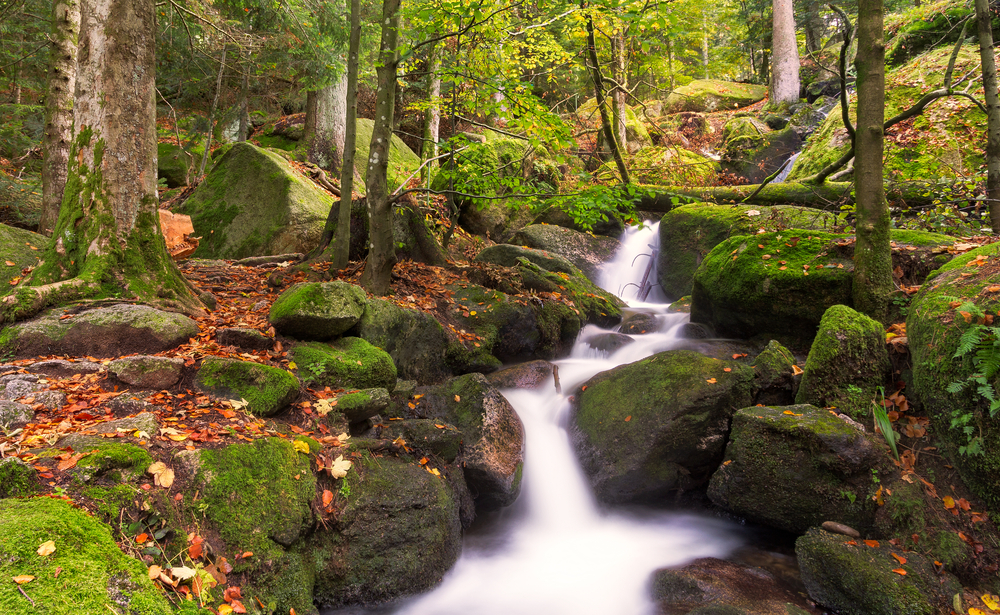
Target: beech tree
[(984, 19), (107, 241), (784, 87)]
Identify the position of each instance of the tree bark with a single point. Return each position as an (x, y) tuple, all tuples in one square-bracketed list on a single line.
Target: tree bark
[(244, 127), (326, 125), (107, 241), (342, 246), (984, 19), (432, 116), (211, 113), (602, 105), (381, 249), (872, 255), (785, 51), (813, 26), (618, 67), (59, 110)]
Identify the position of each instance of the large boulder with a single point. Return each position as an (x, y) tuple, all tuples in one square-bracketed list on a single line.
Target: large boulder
[(20, 247), (253, 203), (109, 331), (317, 310), (793, 467), (608, 224), (173, 164), (707, 95), (403, 162), (689, 232), (493, 436), (87, 572), (775, 373), (847, 364), (349, 363), (752, 151), (267, 390), (647, 429), (854, 577), (945, 318), (148, 372), (398, 534), (585, 250)]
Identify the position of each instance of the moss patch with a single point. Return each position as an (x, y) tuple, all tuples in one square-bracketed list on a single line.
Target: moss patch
[(17, 479), (267, 390), (20, 247), (349, 362)]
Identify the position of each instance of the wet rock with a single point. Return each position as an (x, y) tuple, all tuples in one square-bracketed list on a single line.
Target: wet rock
[(148, 372), (416, 342), (587, 251), (528, 375), (639, 323), (775, 372), (840, 528), (356, 406), (608, 342)]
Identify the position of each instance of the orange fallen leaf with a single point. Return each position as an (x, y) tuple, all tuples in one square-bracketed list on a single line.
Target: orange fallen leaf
[(796, 370), (727, 369), (899, 571), (949, 502), (47, 548), (789, 412), (194, 549), (711, 381), (141, 538), (853, 543), (899, 558), (872, 543), (457, 398), (628, 418), (327, 498), (21, 579), (10, 263)]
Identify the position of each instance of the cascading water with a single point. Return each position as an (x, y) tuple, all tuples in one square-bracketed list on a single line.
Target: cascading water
[(555, 551)]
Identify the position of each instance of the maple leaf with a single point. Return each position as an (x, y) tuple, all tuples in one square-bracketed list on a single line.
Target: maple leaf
[(339, 467), (47, 548), (991, 601), (301, 446), (182, 573)]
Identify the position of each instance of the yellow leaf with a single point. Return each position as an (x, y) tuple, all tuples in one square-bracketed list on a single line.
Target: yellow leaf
[(457, 398), (156, 468), (472, 313), (154, 572), (991, 601), (949, 502), (21, 579), (711, 381), (343, 438), (291, 365), (225, 609), (791, 413), (177, 437), (301, 446), (974, 611), (47, 548), (796, 370), (339, 467), (164, 479)]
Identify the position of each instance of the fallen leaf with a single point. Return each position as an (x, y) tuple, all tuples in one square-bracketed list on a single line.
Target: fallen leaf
[(711, 381), (872, 543), (796, 370), (457, 398), (164, 479), (339, 467), (141, 538), (301, 446), (194, 549), (225, 609), (899, 558), (182, 572), (949, 502), (327, 498), (10, 263), (899, 571), (727, 369), (21, 579), (47, 548), (628, 418), (991, 601), (789, 412)]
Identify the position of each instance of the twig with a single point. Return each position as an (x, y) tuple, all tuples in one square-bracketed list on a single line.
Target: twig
[(27, 596)]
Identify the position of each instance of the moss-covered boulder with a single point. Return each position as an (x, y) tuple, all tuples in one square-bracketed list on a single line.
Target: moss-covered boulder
[(847, 363), (17, 478), (349, 362), (417, 343), (356, 406), (267, 390), (793, 467), (398, 535), (953, 303), (639, 323), (258, 498), (689, 232), (493, 437), (109, 331), (119, 462), (710, 586), (317, 310), (172, 164), (403, 162), (527, 375), (771, 283), (87, 573), (707, 95), (253, 203), (20, 247), (751, 150), (774, 370), (659, 165), (147, 371), (855, 578), (427, 437), (923, 27), (608, 223), (647, 429), (585, 250)]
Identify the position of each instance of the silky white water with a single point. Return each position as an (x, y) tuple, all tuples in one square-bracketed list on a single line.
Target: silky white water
[(555, 551)]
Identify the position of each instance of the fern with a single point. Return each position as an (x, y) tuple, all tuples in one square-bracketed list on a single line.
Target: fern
[(982, 342)]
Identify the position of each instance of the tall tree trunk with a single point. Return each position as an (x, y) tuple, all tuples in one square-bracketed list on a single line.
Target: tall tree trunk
[(670, 63), (381, 250), (244, 129), (813, 26), (211, 113), (704, 42), (326, 123), (432, 116), (618, 68), (602, 105), (108, 239), (342, 247), (984, 17), (872, 256), (59, 109), (785, 51)]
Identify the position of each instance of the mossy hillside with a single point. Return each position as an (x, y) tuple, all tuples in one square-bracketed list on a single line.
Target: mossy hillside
[(349, 362), (794, 467), (22, 248), (847, 364), (915, 30), (942, 142), (689, 232), (760, 284), (657, 425), (402, 161), (856, 579), (398, 534), (707, 95), (253, 203), (17, 478), (934, 328), (317, 310), (87, 573), (659, 165), (267, 390)]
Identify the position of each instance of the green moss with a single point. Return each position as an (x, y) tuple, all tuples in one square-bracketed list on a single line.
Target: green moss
[(712, 95), (117, 461), (112, 500), (267, 390), (658, 165), (349, 362), (20, 247), (17, 479), (93, 576), (402, 161)]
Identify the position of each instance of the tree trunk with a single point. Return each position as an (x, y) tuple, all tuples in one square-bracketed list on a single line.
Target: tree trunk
[(381, 249), (432, 116), (984, 19), (326, 124), (211, 113), (785, 62), (670, 63), (59, 110), (618, 67), (704, 42), (108, 241), (342, 246), (872, 256), (244, 129), (602, 105), (813, 27)]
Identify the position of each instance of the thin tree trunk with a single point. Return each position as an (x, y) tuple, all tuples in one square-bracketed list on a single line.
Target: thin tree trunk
[(785, 63), (211, 114), (381, 250), (342, 247), (244, 129), (670, 63), (984, 18), (602, 105), (59, 110), (872, 256), (326, 119), (432, 116), (813, 26), (617, 92), (704, 42)]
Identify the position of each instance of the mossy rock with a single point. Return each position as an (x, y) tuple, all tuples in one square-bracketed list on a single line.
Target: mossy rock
[(427, 436), (397, 535), (774, 371), (707, 95), (120, 462), (267, 390), (657, 426), (317, 310), (793, 467), (403, 162), (148, 372), (87, 573), (21, 247), (349, 362), (689, 232), (847, 364), (936, 145), (585, 250), (922, 27), (258, 499), (493, 436), (416, 342), (858, 579), (109, 331), (753, 151), (357, 406), (935, 328), (771, 283), (253, 203), (17, 478), (172, 164), (659, 165)]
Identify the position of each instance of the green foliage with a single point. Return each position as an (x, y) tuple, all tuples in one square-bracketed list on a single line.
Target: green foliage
[(883, 423), (979, 344), (596, 203)]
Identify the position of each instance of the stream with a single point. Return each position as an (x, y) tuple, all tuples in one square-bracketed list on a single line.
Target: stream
[(556, 550)]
